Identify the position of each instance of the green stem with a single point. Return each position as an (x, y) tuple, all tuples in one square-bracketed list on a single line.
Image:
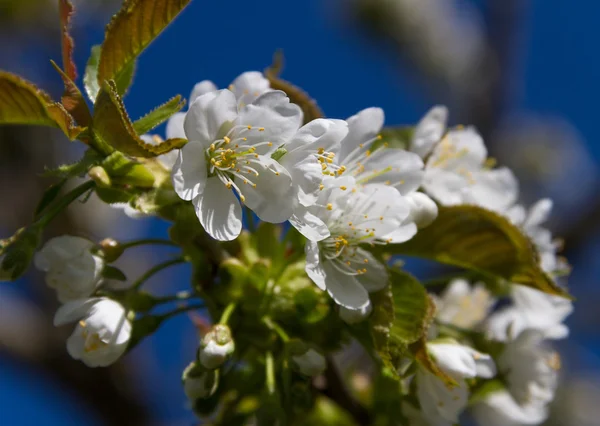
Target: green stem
[(276, 328), (227, 313), (145, 241), (250, 219), (65, 201), (137, 284), (270, 372)]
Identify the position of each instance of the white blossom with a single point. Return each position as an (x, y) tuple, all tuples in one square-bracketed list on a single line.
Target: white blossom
[(530, 367), (499, 408), (440, 404), (310, 363), (456, 166), (201, 385), (423, 210), (462, 305), (102, 333), (216, 346), (344, 217), (71, 268), (531, 309), (229, 152), (309, 153)]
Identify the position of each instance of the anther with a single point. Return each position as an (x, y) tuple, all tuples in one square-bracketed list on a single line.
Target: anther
[(329, 206)]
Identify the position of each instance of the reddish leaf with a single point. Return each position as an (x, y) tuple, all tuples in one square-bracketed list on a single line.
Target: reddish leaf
[(66, 12)]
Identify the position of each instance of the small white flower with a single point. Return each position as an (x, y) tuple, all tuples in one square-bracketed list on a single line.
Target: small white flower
[(71, 268), (455, 167), (310, 153), (439, 403), (216, 346), (500, 409), (531, 309), (530, 222), (229, 151), (462, 305), (354, 316), (423, 210), (530, 367), (103, 331), (310, 363), (344, 217)]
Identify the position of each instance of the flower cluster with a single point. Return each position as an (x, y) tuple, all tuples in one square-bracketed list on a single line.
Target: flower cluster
[(347, 193)]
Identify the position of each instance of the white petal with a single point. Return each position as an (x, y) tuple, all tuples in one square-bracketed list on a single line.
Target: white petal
[(272, 119), (314, 268), (175, 126), (309, 225), (396, 167), (189, 171), (306, 174), (74, 310), (500, 409), (454, 359), (273, 199), (495, 190), (362, 128), (202, 88), (505, 323), (429, 130), (219, 211), (345, 289), (208, 115), (249, 86), (538, 213), (459, 149), (402, 234), (446, 187), (438, 402), (423, 210), (376, 277), (61, 249), (319, 133)]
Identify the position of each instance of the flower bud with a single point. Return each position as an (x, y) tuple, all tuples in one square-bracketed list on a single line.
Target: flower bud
[(199, 382), (99, 175), (216, 346), (353, 316), (102, 334), (423, 209), (112, 249), (71, 268), (310, 363)]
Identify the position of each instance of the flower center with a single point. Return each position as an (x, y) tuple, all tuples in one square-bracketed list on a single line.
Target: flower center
[(232, 157), (92, 340)]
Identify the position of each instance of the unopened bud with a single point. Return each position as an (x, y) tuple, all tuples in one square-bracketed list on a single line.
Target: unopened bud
[(353, 316), (112, 249), (99, 175), (310, 363), (216, 346), (199, 382), (423, 209)]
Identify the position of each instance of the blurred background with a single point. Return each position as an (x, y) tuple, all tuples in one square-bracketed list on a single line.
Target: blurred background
[(525, 73)]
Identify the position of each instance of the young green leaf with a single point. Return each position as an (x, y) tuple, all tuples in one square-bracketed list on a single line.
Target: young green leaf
[(124, 171), (90, 78), (297, 96), (158, 115), (130, 31), (49, 196), (401, 314), (477, 239), (112, 129), (21, 102)]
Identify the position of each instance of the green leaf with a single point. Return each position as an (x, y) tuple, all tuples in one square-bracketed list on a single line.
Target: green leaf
[(394, 137), (297, 96), (124, 171), (130, 31), (402, 312), (21, 102), (158, 115), (49, 196), (90, 78), (112, 273), (112, 128), (477, 239), (16, 252), (90, 158)]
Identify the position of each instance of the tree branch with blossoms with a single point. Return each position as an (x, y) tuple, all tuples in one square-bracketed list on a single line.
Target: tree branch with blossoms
[(336, 201)]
